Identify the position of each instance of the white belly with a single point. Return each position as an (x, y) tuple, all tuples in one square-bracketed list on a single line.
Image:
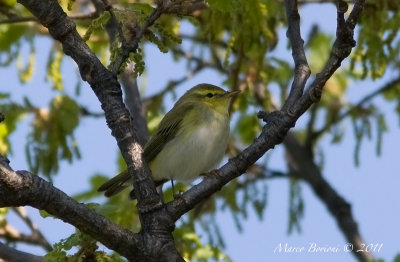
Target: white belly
[(202, 150)]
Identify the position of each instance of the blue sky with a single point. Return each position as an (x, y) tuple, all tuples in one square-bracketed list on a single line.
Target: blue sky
[(371, 188)]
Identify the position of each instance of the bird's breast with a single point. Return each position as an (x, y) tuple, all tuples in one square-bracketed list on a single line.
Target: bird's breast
[(196, 149)]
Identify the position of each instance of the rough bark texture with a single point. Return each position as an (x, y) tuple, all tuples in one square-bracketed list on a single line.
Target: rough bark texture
[(154, 242)]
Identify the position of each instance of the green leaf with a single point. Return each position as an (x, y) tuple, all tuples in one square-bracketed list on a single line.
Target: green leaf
[(45, 214), (248, 126), (95, 182), (9, 35), (296, 206), (70, 4), (9, 3), (318, 47), (54, 69), (3, 215), (66, 111), (52, 139), (97, 24), (190, 246), (13, 114), (85, 243), (392, 93), (382, 127), (222, 5), (143, 7), (25, 74)]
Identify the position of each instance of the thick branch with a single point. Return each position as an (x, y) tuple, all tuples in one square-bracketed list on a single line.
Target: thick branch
[(303, 167), (107, 90), (155, 235), (129, 83), (155, 238), (23, 19), (23, 188)]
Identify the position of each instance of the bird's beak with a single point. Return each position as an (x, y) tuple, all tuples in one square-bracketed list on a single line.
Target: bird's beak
[(232, 93)]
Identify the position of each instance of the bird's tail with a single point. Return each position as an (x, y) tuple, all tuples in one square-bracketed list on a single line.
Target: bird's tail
[(120, 182), (116, 184)]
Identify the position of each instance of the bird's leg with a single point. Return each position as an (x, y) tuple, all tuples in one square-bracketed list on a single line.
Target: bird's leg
[(173, 188), (179, 195)]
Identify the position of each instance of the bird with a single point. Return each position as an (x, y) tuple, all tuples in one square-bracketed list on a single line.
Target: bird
[(190, 140)]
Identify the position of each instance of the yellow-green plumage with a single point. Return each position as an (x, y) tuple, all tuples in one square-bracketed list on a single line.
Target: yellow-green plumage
[(190, 140)]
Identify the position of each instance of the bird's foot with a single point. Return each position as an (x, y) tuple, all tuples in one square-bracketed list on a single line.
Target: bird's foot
[(179, 195)]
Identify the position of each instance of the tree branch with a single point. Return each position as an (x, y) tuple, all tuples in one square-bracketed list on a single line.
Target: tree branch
[(36, 234), (24, 188), (278, 122), (129, 47), (23, 19), (341, 49), (302, 70), (11, 254), (303, 167), (12, 235), (155, 236), (107, 90), (129, 84), (134, 104), (157, 220), (392, 84)]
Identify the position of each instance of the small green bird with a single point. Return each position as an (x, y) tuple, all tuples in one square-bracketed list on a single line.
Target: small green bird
[(190, 140)]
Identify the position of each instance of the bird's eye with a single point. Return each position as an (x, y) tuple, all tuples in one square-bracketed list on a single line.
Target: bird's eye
[(209, 95)]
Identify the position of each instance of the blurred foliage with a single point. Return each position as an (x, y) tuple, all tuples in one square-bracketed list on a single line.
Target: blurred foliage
[(296, 206), (52, 137), (14, 113), (378, 42), (235, 38), (86, 250), (192, 249), (3, 215), (54, 69)]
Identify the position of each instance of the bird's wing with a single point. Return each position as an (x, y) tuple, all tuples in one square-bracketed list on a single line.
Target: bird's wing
[(166, 131)]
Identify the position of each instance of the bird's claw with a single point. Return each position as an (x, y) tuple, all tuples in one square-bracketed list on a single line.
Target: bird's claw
[(179, 195)]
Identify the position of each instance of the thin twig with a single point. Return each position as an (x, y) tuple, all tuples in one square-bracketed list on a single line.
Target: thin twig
[(10, 254), (130, 47), (341, 49), (392, 84), (278, 124), (302, 70), (36, 234)]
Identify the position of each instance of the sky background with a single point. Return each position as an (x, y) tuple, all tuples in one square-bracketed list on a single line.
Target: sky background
[(372, 188)]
